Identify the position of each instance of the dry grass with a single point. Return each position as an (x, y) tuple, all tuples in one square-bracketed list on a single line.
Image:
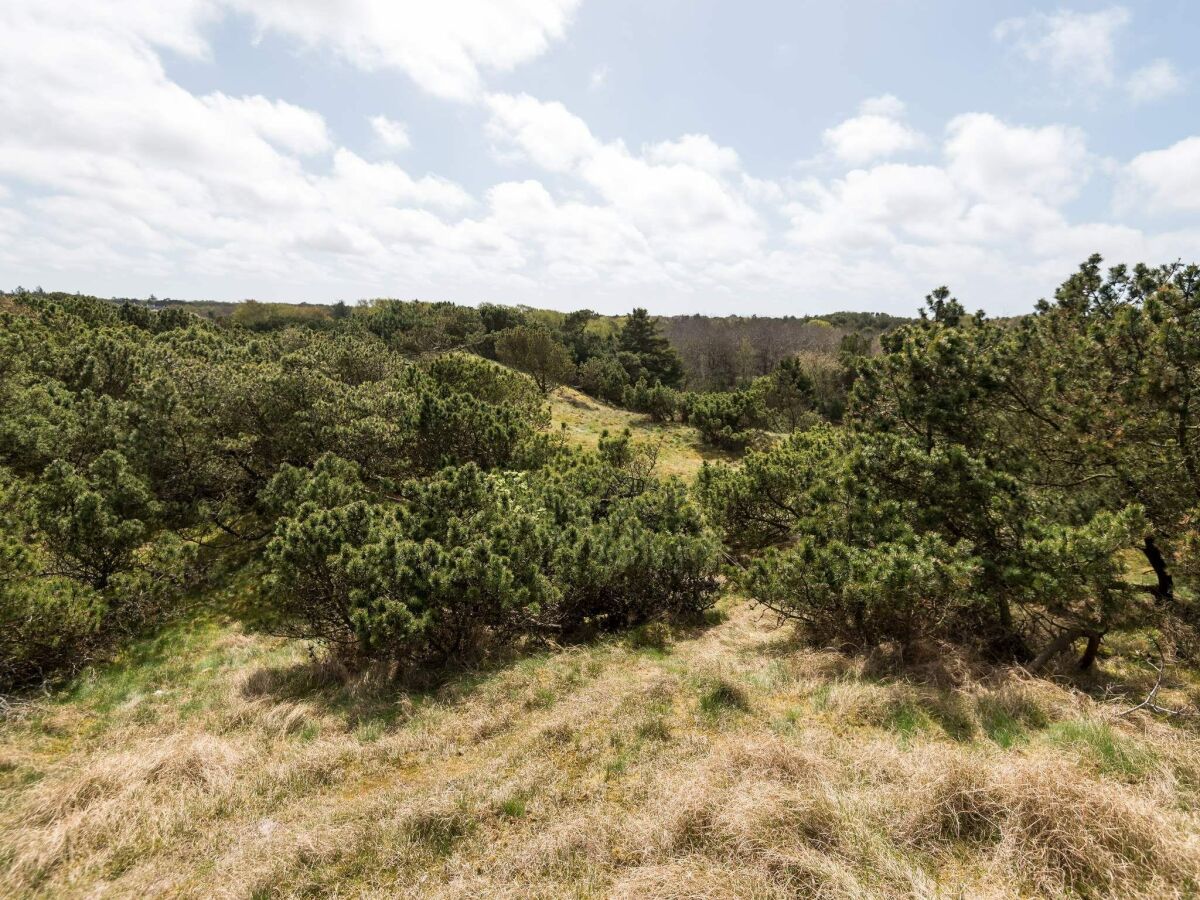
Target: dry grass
[(721, 764), (680, 450)]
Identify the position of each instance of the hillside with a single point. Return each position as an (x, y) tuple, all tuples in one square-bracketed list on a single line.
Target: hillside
[(679, 447), (726, 761)]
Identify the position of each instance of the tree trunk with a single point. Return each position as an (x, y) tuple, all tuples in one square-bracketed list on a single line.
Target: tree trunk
[(1055, 647), (1165, 591), (1090, 652)]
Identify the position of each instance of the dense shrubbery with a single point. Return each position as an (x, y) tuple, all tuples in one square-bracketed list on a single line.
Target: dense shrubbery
[(409, 502), (604, 378), (991, 477), (411, 508), (658, 401), (880, 540), (469, 559)]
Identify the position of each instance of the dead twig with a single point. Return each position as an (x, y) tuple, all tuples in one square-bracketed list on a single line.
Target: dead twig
[(1150, 703)]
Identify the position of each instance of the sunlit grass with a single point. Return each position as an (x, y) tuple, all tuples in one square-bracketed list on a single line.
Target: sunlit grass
[(680, 450), (209, 761)]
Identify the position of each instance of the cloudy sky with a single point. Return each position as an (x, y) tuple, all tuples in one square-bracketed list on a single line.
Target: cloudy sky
[(770, 156)]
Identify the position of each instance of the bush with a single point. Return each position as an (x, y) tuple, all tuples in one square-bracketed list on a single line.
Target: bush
[(51, 623), (912, 587), (655, 400), (727, 420), (605, 378), (46, 623), (93, 522), (881, 541), (47, 627), (429, 581), (469, 560), (535, 351), (650, 556)]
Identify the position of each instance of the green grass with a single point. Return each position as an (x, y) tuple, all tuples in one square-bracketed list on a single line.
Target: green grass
[(513, 808), (906, 719), (721, 695), (680, 450), (1111, 753), (1003, 728)]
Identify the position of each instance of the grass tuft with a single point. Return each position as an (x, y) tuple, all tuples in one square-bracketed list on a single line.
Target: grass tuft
[(722, 695)]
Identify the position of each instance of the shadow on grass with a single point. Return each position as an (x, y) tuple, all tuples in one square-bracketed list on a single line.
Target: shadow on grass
[(384, 695), (373, 697)]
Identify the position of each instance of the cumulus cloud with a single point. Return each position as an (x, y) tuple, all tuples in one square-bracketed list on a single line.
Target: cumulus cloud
[(993, 159), (684, 196), (1167, 180), (877, 132), (131, 172), (888, 105), (1080, 51), (286, 126), (445, 47), (698, 150), (545, 132)]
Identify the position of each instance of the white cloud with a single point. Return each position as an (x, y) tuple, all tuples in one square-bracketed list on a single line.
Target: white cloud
[(128, 179), (1154, 82), (129, 172), (599, 78), (994, 160), (683, 196), (1073, 45), (355, 181), (284, 125), (697, 150), (875, 133), (888, 105), (443, 46), (1165, 180), (547, 133), (392, 135), (873, 208)]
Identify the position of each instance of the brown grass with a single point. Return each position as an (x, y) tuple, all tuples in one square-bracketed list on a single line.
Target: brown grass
[(223, 765)]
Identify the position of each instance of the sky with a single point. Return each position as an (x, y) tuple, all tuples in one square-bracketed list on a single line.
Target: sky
[(761, 156)]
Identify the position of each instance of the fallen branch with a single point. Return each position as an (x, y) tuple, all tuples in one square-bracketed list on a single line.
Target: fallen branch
[(1150, 702)]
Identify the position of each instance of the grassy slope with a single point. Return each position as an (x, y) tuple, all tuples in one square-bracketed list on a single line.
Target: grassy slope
[(729, 763), (680, 449)]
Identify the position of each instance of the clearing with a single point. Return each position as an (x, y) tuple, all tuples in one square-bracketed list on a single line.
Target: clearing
[(680, 450)]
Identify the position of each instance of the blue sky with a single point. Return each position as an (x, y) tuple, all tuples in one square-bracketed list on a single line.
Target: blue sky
[(769, 157)]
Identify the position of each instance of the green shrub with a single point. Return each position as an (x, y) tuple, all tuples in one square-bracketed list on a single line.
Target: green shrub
[(727, 420), (658, 401), (428, 581), (605, 378), (650, 555), (878, 540), (469, 560)]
